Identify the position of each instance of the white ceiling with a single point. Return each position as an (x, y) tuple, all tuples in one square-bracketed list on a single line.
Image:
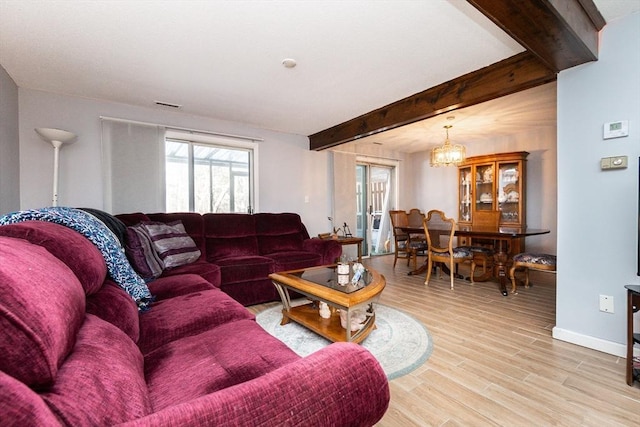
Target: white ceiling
[(223, 59)]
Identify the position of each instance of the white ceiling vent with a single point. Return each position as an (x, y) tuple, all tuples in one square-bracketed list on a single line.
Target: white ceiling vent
[(168, 105)]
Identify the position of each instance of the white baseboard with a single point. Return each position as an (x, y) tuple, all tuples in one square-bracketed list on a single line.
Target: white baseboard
[(598, 344)]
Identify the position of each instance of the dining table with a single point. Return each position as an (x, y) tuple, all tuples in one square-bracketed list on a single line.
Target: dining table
[(502, 237)]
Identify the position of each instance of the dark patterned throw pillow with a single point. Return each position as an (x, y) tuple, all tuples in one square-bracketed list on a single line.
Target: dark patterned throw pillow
[(172, 243)]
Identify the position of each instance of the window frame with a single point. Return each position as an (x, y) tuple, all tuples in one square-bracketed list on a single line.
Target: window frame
[(217, 141)]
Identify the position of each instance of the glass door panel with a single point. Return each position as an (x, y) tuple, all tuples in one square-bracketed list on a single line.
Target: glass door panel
[(374, 190), (484, 194), (509, 192), (464, 213)]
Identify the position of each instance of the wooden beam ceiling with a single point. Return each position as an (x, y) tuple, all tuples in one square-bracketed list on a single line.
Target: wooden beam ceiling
[(558, 34)]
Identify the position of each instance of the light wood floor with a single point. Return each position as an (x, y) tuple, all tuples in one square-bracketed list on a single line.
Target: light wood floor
[(494, 362)]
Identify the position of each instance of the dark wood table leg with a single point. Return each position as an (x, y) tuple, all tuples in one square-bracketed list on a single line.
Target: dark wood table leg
[(501, 257)]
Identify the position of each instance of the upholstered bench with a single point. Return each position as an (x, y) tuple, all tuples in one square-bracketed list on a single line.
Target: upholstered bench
[(536, 261)]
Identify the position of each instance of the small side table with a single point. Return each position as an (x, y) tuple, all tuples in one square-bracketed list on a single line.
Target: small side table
[(344, 241), (633, 339)]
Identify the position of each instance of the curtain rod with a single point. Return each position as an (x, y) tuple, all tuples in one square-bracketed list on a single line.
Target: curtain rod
[(136, 122), (366, 156)]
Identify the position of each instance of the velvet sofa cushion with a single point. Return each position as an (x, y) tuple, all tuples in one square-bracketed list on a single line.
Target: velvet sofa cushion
[(65, 244), (112, 304), (21, 406), (102, 381), (42, 306), (187, 315), (134, 218), (229, 235), (279, 232), (244, 268), (221, 357), (252, 292), (294, 260), (208, 271), (172, 286), (172, 243)]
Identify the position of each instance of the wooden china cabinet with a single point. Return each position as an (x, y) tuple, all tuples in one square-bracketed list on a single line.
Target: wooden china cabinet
[(494, 182)]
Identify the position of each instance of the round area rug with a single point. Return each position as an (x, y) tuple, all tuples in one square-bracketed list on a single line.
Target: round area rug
[(400, 343)]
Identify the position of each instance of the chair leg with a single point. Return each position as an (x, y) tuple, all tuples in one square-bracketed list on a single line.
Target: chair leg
[(512, 276), (473, 270), (451, 269), (429, 268), (526, 277)]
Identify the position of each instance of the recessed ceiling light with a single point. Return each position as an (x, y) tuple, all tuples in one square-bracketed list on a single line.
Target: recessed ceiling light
[(289, 63)]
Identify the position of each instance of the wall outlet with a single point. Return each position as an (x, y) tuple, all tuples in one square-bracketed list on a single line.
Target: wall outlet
[(606, 303)]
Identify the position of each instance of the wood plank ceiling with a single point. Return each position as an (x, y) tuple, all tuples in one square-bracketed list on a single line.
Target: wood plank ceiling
[(558, 34)]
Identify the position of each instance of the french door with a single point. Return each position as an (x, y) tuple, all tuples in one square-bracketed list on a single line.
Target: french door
[(375, 193)]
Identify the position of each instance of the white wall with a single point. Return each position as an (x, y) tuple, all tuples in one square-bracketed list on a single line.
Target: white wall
[(598, 210), (289, 173), (9, 145)]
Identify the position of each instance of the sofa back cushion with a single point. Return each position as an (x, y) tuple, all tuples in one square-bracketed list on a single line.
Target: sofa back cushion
[(279, 232), (101, 383), (230, 235), (20, 406), (132, 218), (69, 246), (113, 304), (42, 305)]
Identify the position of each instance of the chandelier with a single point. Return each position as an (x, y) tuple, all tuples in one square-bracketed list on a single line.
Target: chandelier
[(448, 154)]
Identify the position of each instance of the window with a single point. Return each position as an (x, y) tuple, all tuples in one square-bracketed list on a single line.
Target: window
[(204, 175)]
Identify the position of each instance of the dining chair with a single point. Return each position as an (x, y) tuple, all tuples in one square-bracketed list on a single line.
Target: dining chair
[(440, 232), (483, 249), (404, 247), (418, 241), (400, 237)]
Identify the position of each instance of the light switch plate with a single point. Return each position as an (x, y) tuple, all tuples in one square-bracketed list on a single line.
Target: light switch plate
[(616, 162)]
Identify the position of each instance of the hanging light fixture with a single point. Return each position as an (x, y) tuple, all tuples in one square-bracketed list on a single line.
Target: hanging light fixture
[(448, 154)]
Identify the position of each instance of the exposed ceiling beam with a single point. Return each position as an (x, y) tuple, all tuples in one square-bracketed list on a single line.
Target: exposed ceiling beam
[(558, 34), (561, 33), (520, 72)]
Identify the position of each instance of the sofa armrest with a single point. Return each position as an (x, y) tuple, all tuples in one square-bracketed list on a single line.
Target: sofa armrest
[(340, 385), (329, 249)]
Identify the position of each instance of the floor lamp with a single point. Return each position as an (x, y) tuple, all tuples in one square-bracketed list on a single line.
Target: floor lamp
[(57, 138)]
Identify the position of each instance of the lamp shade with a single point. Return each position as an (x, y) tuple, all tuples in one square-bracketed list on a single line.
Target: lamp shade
[(57, 137), (51, 134)]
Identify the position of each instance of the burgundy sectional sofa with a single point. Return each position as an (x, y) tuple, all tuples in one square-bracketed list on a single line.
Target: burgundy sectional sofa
[(75, 350), (239, 251)]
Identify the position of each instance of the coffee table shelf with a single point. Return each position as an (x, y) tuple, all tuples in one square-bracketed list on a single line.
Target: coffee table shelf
[(348, 301), (331, 329)]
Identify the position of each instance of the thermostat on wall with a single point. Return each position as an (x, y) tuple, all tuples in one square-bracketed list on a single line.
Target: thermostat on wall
[(616, 129)]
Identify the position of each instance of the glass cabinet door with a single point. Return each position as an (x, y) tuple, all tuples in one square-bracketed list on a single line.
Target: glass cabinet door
[(484, 194), (465, 181), (509, 189)]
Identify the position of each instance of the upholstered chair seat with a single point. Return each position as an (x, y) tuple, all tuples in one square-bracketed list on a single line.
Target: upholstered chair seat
[(527, 260)]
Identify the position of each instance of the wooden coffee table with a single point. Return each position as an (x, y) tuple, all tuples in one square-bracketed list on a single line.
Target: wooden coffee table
[(320, 284)]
